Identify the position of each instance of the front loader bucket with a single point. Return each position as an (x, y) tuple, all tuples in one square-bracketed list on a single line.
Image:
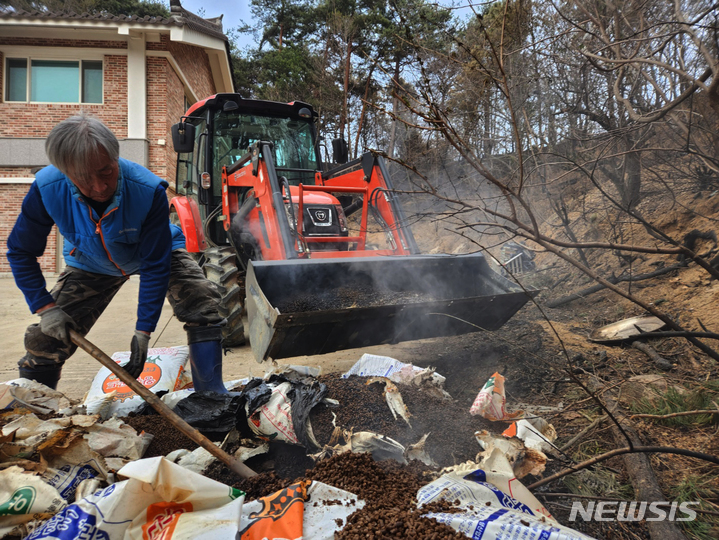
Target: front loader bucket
[(316, 306)]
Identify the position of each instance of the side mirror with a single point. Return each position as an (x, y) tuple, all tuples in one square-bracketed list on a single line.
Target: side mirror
[(340, 152), (183, 137)]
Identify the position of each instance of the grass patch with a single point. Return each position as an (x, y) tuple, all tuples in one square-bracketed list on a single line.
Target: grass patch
[(599, 483), (596, 481), (699, 488), (674, 401)]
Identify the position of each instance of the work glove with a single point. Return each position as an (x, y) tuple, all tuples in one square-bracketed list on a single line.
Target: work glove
[(54, 322), (138, 354)]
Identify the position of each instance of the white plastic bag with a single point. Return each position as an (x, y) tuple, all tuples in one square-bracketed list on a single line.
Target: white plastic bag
[(303, 510), (163, 371), (159, 500), (491, 401), (372, 365), (492, 513), (25, 498)]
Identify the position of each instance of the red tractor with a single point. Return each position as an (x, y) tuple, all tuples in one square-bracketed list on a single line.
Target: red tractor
[(322, 252)]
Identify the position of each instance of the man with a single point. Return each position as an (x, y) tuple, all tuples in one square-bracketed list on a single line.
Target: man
[(114, 218)]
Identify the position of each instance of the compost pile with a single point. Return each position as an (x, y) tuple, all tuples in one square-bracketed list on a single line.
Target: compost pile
[(362, 407), (388, 488)]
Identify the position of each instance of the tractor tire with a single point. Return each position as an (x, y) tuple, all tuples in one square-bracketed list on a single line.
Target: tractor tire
[(221, 268)]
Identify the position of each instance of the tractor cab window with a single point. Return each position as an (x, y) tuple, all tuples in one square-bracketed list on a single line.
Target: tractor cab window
[(294, 151)]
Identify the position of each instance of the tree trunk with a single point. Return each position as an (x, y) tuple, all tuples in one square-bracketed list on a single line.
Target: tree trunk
[(631, 178), (364, 108), (395, 107), (487, 135), (345, 100)]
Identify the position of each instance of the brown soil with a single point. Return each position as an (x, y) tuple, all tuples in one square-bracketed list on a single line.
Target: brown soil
[(166, 437), (363, 408), (387, 488)]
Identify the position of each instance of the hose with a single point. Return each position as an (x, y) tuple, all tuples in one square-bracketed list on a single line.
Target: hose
[(206, 225)]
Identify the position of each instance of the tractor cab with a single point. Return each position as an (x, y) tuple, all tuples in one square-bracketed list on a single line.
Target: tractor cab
[(218, 131)]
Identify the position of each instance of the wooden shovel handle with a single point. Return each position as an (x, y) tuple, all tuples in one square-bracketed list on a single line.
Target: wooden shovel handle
[(156, 403)]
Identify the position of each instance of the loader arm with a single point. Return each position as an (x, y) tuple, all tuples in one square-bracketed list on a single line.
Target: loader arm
[(372, 174)]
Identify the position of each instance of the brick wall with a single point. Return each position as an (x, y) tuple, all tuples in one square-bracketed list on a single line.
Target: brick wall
[(176, 109), (157, 71), (12, 196), (195, 64)]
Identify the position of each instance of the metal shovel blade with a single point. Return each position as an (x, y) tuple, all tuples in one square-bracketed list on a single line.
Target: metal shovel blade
[(308, 307)]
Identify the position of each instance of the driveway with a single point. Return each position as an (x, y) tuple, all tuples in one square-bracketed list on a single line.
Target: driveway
[(113, 332)]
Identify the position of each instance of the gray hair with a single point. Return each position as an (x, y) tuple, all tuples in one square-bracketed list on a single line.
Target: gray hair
[(72, 142)]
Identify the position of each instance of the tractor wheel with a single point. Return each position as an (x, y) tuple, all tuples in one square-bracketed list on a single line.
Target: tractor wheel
[(221, 268)]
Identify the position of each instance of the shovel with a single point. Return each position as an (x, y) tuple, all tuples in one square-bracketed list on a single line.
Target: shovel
[(156, 403)]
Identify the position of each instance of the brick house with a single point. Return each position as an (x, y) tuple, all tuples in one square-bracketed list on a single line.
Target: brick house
[(138, 75)]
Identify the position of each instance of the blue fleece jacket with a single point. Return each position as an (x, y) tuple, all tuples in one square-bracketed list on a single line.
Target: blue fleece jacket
[(132, 236)]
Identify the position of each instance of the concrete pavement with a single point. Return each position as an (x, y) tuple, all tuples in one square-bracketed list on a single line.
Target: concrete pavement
[(113, 332)]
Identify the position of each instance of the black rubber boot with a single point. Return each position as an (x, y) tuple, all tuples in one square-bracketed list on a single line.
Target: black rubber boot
[(205, 344), (47, 375)]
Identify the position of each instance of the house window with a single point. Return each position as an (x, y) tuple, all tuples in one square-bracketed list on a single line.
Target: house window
[(53, 81)]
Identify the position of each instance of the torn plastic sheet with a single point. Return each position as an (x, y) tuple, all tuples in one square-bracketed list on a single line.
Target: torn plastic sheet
[(304, 510), (536, 433), (490, 512), (114, 438), (294, 370), (211, 413), (509, 455), (380, 446), (30, 395), (371, 365), (243, 453), (196, 461), (25, 501), (491, 401), (279, 409), (419, 452), (159, 500), (393, 397)]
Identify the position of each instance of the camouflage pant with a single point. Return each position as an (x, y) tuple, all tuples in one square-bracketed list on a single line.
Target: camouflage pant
[(84, 296)]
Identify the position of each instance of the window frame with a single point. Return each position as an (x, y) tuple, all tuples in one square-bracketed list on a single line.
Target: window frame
[(49, 58)]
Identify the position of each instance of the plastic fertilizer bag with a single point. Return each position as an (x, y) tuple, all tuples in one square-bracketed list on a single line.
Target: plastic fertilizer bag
[(491, 401), (279, 408), (308, 509), (163, 370), (25, 500), (159, 500), (491, 513)]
